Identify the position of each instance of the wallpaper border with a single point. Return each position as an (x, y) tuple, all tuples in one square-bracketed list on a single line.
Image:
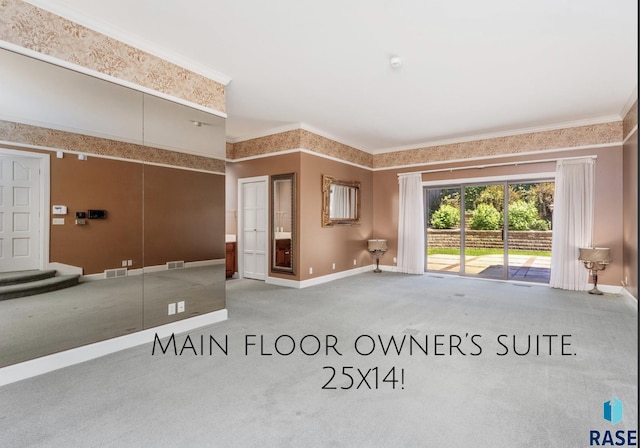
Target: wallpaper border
[(35, 29), (18, 133)]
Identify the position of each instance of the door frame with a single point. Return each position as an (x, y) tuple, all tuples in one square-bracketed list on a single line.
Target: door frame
[(490, 180), (45, 198), (239, 236)]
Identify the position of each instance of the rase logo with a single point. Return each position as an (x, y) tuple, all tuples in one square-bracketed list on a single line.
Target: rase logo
[(612, 412)]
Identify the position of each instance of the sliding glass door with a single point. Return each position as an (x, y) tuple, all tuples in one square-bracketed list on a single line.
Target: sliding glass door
[(491, 230)]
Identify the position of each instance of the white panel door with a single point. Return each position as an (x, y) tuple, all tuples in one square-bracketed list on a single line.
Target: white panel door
[(254, 229), (19, 213)]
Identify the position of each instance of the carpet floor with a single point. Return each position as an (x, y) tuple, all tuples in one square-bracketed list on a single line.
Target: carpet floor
[(343, 364)]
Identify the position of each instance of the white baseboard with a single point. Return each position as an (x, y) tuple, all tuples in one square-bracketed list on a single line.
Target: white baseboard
[(156, 268), (387, 268), (318, 280), (45, 364)]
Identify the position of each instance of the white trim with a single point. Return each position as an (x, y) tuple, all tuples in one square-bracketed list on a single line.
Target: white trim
[(500, 156), (80, 69), (45, 182), (510, 133), (122, 159), (318, 280), (129, 39), (296, 150), (508, 177), (632, 300), (239, 236), (45, 364), (388, 268), (626, 139), (198, 264), (630, 101), (265, 133)]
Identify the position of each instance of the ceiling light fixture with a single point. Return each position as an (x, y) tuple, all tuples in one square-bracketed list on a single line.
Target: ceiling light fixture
[(395, 62)]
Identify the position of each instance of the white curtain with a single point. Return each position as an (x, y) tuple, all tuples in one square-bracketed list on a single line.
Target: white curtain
[(411, 246), (342, 204), (572, 222)]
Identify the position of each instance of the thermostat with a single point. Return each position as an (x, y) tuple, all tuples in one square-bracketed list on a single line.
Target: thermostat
[(59, 209)]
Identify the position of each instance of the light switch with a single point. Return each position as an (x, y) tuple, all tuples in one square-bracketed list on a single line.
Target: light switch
[(58, 221), (59, 209)]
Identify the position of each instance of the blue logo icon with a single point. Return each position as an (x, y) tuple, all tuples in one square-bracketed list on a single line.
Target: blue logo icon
[(613, 410)]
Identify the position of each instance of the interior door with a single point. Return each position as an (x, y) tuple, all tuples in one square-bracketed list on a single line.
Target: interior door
[(19, 213), (254, 229)]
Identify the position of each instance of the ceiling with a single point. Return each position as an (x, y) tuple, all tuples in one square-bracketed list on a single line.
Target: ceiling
[(469, 68)]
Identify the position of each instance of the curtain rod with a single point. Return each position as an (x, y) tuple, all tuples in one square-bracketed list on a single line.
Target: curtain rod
[(524, 162)]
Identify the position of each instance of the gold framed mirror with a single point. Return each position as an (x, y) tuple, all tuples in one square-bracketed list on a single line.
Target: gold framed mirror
[(283, 225), (340, 202)]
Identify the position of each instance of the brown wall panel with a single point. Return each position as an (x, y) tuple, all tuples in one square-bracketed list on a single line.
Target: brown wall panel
[(111, 185), (320, 247), (183, 215)]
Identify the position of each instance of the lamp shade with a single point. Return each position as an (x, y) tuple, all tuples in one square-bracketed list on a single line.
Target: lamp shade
[(595, 254), (380, 245)]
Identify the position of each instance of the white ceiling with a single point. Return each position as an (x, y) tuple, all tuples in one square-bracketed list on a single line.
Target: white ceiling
[(469, 68)]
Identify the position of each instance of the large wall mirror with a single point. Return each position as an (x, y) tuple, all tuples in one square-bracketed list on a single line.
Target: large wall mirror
[(340, 202), (97, 245), (283, 225)]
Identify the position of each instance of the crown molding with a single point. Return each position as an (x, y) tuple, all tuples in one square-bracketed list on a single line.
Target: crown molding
[(511, 133), (630, 102), (265, 133), (130, 39), (499, 156)]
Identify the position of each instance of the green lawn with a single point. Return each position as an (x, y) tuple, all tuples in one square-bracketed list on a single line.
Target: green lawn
[(479, 252)]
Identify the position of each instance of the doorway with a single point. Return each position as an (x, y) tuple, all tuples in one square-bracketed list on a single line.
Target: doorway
[(24, 210), (498, 230), (253, 222)]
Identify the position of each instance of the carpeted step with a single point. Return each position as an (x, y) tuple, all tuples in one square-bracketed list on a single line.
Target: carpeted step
[(15, 277), (37, 287)]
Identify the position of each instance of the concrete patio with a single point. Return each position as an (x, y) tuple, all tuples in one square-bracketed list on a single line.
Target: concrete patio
[(521, 267)]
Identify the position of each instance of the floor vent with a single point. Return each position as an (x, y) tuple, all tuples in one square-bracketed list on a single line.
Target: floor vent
[(115, 273), (175, 265), (459, 295), (522, 286), (436, 276)]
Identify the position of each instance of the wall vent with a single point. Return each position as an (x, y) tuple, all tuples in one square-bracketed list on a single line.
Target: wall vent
[(175, 264), (115, 273)]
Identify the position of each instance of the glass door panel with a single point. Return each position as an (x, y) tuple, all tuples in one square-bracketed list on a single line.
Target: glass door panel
[(443, 235), (529, 231), (483, 235)]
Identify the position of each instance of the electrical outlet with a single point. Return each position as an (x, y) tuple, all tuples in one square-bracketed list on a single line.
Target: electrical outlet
[(129, 262), (124, 263), (333, 266), (310, 270), (181, 306), (355, 262), (395, 260), (172, 309)]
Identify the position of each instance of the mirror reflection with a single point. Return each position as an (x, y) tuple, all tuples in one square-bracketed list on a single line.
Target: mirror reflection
[(283, 222), (95, 247), (341, 201)]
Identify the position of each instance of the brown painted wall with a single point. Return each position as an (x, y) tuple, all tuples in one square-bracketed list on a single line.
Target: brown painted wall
[(183, 215), (630, 216), (111, 185), (608, 201), (266, 166), (322, 246)]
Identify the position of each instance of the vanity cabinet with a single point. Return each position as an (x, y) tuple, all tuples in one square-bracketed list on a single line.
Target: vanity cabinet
[(231, 259), (283, 252)]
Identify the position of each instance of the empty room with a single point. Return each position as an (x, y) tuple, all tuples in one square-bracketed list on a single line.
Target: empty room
[(313, 224)]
